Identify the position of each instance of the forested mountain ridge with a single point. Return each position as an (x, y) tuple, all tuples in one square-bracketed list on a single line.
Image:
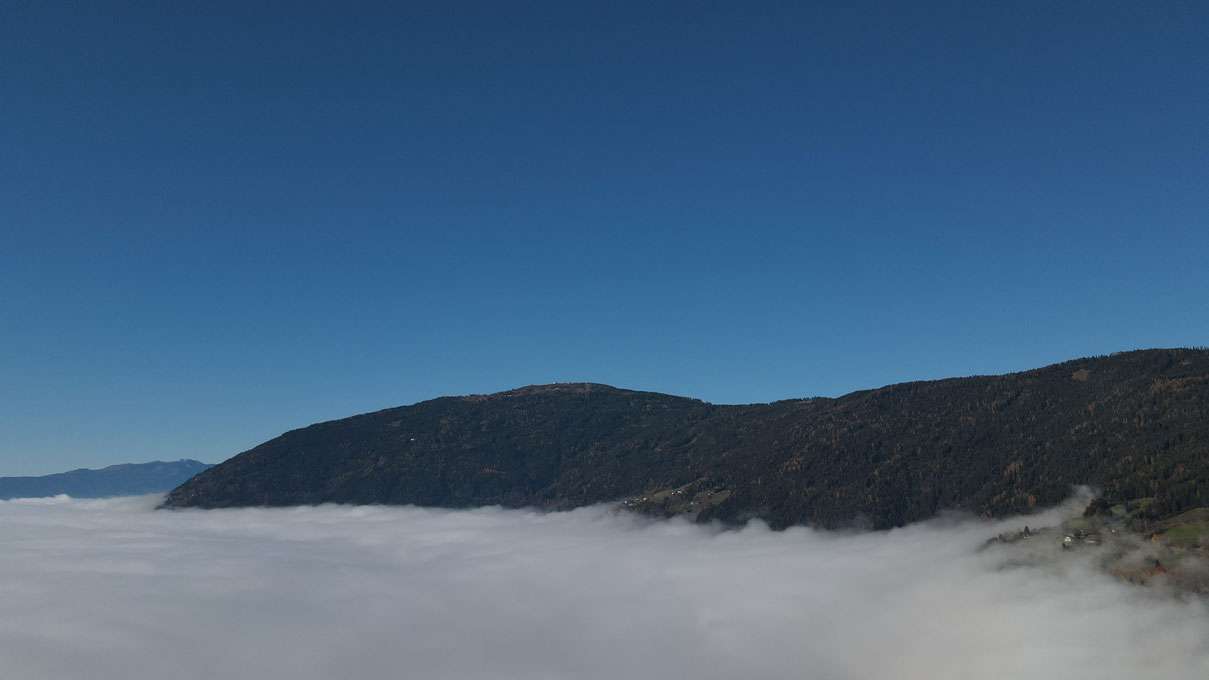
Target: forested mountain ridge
[(1135, 424)]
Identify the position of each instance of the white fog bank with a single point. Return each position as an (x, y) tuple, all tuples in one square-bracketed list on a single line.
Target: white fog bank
[(112, 589)]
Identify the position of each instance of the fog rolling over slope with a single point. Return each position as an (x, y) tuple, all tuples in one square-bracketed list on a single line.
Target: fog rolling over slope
[(112, 590)]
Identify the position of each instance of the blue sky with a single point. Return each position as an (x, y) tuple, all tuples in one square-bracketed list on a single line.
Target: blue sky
[(219, 225)]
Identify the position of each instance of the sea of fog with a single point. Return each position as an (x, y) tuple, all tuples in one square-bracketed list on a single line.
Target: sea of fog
[(113, 589)]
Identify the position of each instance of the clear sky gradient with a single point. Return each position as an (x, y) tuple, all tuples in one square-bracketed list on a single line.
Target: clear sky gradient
[(220, 223)]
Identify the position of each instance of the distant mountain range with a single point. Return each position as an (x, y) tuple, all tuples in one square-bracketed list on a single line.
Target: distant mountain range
[(1134, 424), (129, 479)]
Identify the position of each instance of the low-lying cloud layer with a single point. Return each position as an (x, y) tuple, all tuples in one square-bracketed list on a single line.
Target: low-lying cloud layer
[(114, 590)]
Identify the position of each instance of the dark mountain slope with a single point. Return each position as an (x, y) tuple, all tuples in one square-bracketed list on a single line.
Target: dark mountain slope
[(1136, 424), (129, 479), (553, 446)]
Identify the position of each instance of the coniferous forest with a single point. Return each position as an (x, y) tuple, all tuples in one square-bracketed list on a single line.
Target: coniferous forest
[(1134, 425)]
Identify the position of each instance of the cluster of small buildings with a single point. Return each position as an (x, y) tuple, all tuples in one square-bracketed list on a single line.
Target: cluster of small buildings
[(1081, 537)]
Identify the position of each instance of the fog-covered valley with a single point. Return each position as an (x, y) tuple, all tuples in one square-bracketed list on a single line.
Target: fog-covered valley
[(112, 589)]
